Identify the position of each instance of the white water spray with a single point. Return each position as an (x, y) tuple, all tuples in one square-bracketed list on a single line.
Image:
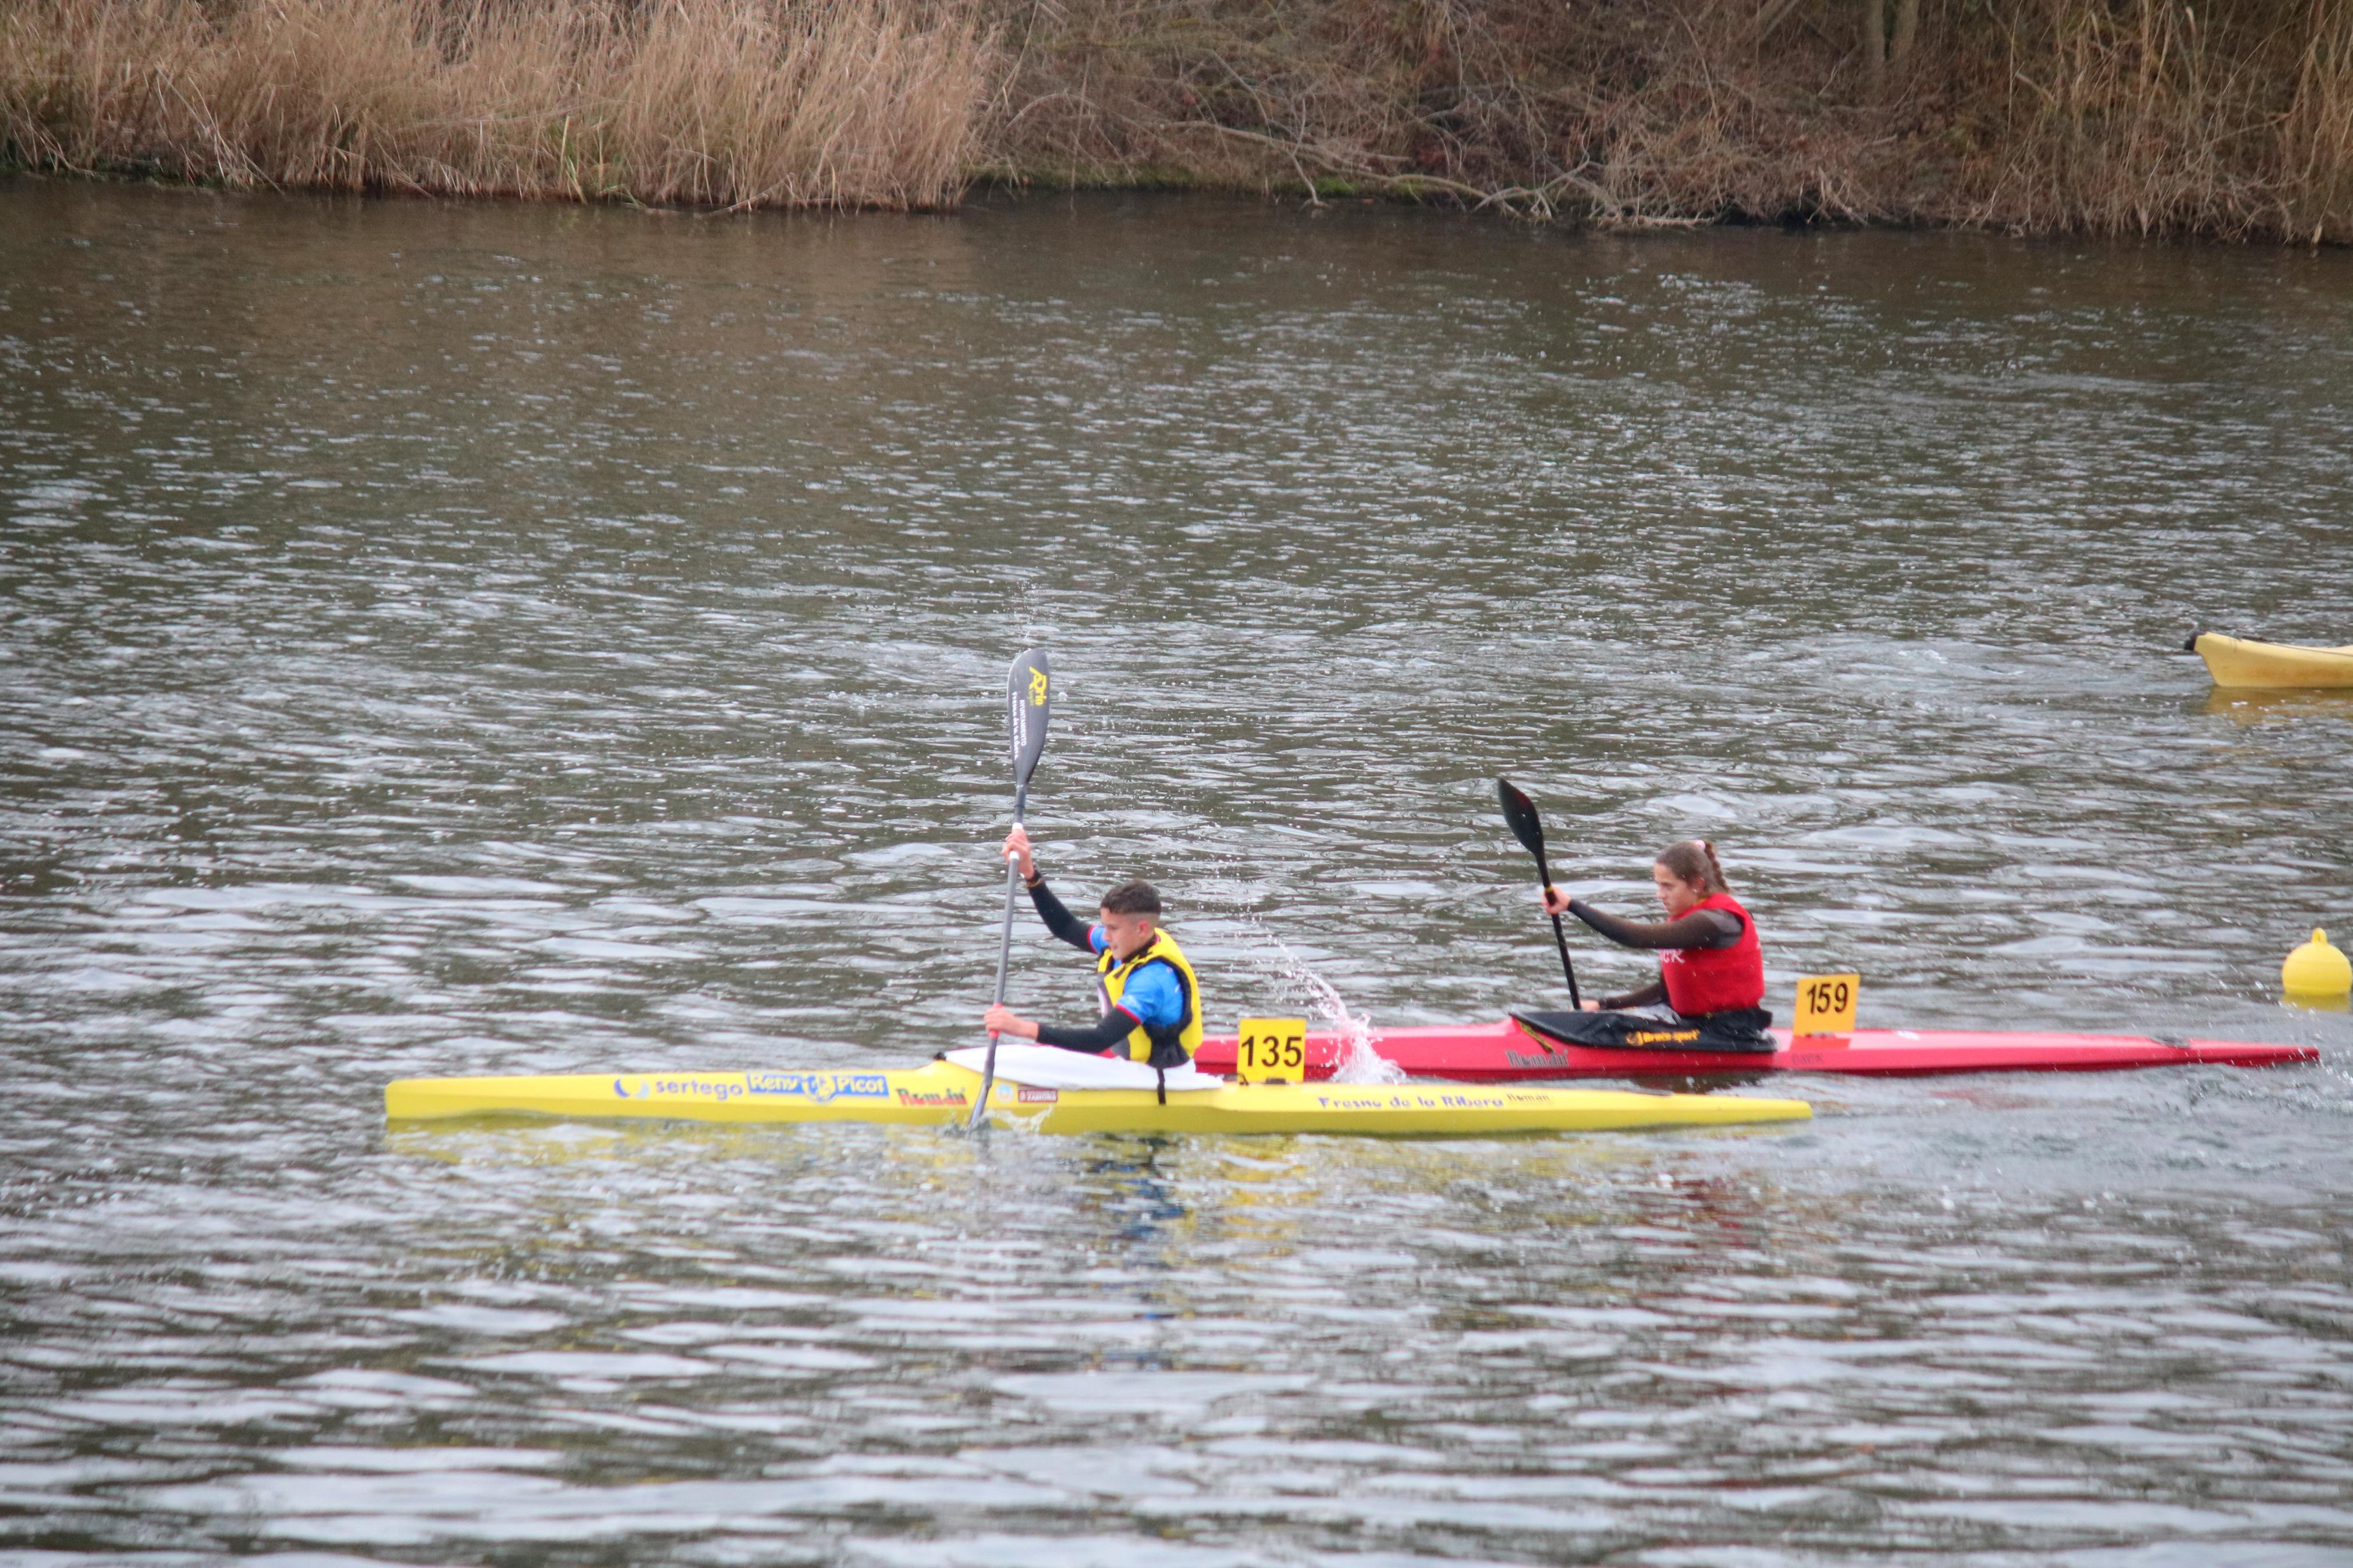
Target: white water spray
[(1358, 1063)]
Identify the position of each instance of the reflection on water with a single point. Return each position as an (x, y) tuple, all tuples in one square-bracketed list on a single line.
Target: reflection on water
[(2311, 1003), (447, 639), (2242, 705)]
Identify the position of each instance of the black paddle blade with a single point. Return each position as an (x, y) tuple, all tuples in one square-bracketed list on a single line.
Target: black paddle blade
[(1528, 828), (1026, 701), (1520, 814)]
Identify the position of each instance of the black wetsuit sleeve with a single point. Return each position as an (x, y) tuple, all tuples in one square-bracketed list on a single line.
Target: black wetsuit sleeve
[(1111, 1029), (1700, 928), (1649, 996), (1060, 920)]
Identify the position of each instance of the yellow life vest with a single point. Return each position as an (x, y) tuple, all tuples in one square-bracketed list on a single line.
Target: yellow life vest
[(1174, 1046)]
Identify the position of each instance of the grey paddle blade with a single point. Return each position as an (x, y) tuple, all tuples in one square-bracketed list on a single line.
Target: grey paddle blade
[(1520, 814), (1028, 702)]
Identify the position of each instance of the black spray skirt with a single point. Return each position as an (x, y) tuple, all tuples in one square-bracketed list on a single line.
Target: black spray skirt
[(1741, 1029)]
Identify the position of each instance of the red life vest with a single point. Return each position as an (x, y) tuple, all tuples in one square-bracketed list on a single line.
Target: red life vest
[(1714, 979)]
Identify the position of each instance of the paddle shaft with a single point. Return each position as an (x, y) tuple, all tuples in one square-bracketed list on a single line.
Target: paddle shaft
[(1560, 940), (1012, 896), (1004, 957), (1559, 937)]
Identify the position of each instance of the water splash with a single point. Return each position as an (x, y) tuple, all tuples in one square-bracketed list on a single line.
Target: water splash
[(1358, 1062)]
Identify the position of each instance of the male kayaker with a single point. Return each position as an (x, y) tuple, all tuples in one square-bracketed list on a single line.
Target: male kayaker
[(1152, 1006), (1711, 966)]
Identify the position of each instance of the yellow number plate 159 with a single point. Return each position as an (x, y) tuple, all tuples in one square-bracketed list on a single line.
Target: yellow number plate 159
[(1826, 1005), (1271, 1048)]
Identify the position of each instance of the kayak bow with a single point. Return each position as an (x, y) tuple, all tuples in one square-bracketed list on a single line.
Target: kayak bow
[(2241, 661)]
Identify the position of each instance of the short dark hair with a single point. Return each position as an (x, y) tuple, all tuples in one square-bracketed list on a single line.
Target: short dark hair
[(1131, 899)]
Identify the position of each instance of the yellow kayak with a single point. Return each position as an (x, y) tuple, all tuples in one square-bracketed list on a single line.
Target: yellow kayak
[(941, 1093), (2238, 661)]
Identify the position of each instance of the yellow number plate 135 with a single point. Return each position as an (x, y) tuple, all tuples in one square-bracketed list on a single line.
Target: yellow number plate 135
[(1271, 1048), (1826, 1005)]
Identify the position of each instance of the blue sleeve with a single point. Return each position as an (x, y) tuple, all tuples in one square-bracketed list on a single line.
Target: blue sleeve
[(1096, 941), (1154, 996)]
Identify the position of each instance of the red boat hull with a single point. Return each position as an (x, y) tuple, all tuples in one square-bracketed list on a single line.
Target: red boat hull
[(1505, 1052)]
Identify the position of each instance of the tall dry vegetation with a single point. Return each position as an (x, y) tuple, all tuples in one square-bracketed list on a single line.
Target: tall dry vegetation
[(724, 103), (2110, 116), (2154, 117)]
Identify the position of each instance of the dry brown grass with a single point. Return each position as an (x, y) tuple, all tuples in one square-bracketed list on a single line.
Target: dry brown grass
[(2152, 115), (2112, 116), (2107, 116), (2315, 139), (724, 102)]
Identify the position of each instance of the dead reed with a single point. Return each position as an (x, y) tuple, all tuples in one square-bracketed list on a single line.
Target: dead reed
[(720, 102), (2102, 116), (2154, 116)]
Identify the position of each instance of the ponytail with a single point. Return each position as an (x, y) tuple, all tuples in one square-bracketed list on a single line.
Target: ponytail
[(1715, 869), (1694, 860)]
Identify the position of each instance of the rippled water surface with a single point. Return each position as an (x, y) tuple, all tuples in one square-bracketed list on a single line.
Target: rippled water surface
[(464, 639)]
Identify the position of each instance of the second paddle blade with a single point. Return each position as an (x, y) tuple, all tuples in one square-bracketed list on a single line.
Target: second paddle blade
[(1520, 814), (1027, 698)]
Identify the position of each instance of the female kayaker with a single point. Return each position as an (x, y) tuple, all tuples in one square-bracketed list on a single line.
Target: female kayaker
[(1152, 1004), (1710, 991)]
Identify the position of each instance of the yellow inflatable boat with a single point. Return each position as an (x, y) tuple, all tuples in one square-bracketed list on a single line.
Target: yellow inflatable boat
[(2240, 661), (1077, 1094)]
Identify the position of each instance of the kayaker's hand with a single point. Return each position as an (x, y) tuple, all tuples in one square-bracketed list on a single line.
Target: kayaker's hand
[(1002, 1020), (1016, 848), (1590, 1006), (1556, 902)]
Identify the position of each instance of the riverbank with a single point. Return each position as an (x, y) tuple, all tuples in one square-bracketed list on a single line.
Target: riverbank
[(2039, 116)]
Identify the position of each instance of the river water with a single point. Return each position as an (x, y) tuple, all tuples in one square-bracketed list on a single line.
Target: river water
[(446, 639)]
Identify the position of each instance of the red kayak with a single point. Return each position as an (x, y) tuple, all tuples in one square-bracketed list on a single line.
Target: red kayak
[(1508, 1050)]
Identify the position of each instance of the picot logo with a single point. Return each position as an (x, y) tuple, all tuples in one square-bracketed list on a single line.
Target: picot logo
[(820, 1085)]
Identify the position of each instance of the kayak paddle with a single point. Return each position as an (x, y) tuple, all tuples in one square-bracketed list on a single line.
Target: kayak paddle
[(1026, 690), (1520, 813)]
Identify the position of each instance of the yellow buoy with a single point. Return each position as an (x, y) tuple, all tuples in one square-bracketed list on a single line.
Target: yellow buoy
[(2317, 970)]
